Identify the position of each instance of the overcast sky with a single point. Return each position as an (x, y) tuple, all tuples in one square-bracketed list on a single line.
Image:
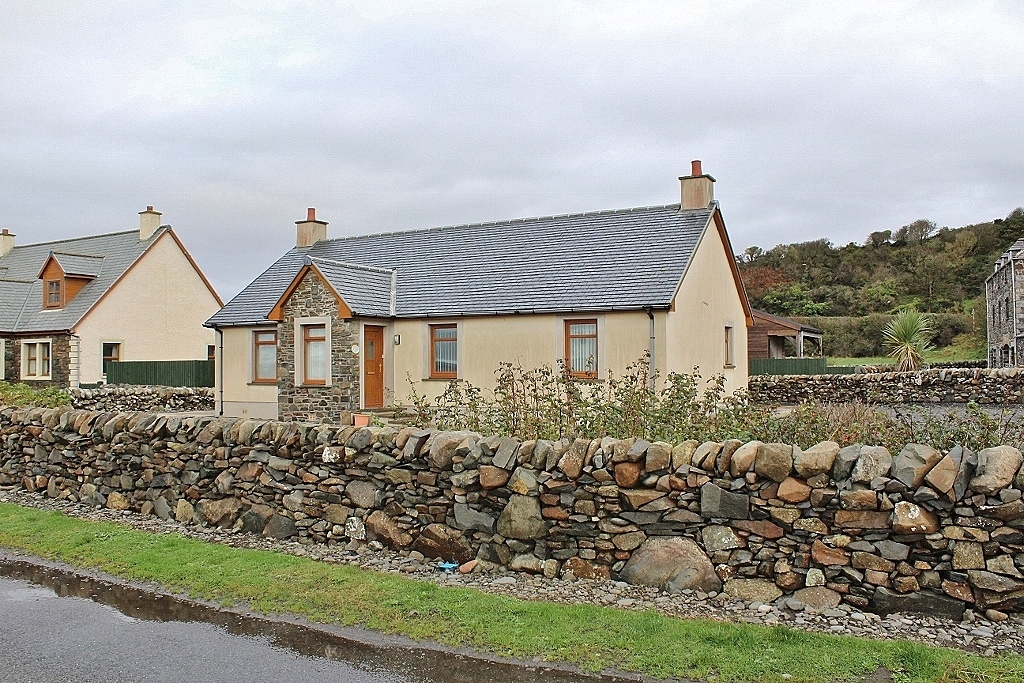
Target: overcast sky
[(818, 119)]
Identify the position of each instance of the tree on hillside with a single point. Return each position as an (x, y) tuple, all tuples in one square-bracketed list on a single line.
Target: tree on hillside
[(916, 232), (906, 338)]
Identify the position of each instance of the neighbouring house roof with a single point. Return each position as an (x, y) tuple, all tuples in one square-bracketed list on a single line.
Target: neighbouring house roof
[(764, 317), (102, 258), (624, 259)]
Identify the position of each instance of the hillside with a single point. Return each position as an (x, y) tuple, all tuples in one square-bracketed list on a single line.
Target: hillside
[(937, 270)]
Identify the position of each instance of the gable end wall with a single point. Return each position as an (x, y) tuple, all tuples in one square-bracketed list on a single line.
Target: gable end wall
[(314, 403)]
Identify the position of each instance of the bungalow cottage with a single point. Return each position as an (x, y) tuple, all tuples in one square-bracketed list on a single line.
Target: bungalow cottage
[(1004, 296), (68, 308), (342, 324)]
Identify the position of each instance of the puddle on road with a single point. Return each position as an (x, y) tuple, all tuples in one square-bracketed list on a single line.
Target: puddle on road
[(416, 663)]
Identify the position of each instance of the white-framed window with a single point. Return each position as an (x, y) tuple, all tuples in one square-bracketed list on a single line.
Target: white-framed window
[(313, 351), (264, 356), (35, 359)]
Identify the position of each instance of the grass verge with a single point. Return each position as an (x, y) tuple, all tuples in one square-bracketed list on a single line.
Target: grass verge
[(590, 637)]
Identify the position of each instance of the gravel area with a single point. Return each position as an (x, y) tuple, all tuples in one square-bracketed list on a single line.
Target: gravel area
[(974, 634)]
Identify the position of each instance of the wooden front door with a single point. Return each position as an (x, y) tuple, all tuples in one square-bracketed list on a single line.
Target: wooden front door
[(373, 366)]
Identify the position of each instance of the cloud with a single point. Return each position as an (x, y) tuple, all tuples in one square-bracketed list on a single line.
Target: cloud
[(818, 119)]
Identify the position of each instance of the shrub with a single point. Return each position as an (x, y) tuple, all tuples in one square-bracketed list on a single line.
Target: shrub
[(24, 395), (548, 403)]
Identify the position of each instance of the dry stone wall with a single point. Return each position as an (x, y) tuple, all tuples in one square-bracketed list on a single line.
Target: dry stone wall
[(917, 530), (942, 385), (131, 398)]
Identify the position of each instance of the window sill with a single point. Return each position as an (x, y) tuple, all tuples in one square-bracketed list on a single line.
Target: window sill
[(729, 366), (440, 379), (266, 383), (36, 379)]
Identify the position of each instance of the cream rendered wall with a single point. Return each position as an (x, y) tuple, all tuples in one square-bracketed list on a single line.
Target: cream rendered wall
[(529, 340), (156, 311), (708, 300), (241, 397)]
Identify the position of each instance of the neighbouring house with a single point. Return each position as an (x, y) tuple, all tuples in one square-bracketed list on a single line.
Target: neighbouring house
[(1004, 297), (68, 308), (773, 337), (338, 325)]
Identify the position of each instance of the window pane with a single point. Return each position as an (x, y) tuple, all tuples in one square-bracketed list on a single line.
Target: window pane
[(446, 357), (266, 361), (371, 350), (44, 359), (583, 354), (445, 332), (266, 337), (31, 363), (316, 360), (582, 329)]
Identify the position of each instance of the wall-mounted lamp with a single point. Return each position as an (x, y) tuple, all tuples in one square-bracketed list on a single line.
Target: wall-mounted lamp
[(398, 339), (355, 349)]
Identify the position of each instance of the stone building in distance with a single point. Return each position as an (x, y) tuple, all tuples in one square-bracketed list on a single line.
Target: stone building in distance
[(1004, 295)]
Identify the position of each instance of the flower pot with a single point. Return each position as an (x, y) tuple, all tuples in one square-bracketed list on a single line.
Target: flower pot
[(361, 420)]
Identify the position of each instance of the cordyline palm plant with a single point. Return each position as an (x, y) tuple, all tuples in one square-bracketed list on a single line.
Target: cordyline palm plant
[(906, 338)]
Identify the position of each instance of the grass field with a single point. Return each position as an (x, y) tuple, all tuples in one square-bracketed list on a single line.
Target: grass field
[(590, 637)]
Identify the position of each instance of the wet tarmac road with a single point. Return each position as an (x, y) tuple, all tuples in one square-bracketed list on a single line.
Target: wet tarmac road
[(58, 626)]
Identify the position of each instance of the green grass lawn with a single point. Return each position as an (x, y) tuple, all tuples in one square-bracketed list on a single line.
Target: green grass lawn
[(590, 637)]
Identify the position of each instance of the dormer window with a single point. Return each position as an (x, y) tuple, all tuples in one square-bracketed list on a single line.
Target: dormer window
[(54, 293)]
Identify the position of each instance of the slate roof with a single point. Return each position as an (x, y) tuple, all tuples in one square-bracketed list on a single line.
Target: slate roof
[(367, 291), (624, 259), (79, 264), (102, 257)]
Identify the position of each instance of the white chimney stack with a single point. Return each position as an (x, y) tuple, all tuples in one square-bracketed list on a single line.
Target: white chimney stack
[(697, 190), (149, 221), (6, 242), (310, 231)]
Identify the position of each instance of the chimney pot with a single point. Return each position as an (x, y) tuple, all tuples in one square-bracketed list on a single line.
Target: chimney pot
[(311, 214), (149, 208), (695, 169)]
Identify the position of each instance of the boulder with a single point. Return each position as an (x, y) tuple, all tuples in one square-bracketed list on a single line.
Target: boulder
[(774, 461), (996, 469), (293, 501), (443, 448), (384, 527), (582, 569), (743, 458), (872, 462), (627, 474), (818, 597), (521, 519), (706, 455), (858, 499), (118, 501), (672, 564), (914, 463), (280, 527), (885, 601), (829, 556), (444, 542), (254, 520), (752, 590), (818, 459), (683, 454), (221, 512), (184, 512)]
